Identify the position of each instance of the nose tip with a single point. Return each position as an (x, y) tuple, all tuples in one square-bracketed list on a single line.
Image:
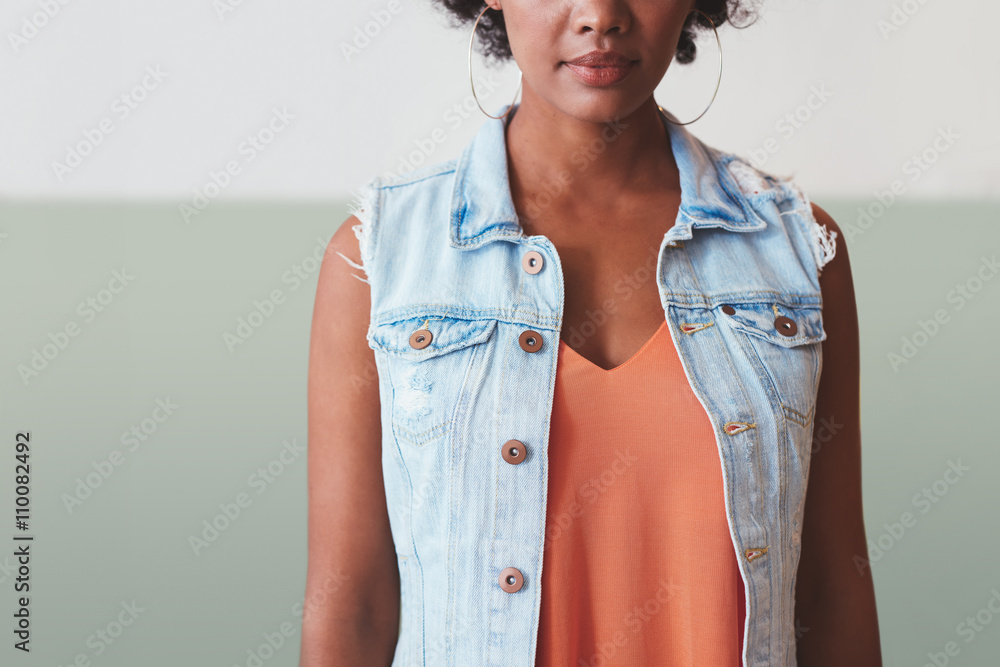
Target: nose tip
[(613, 30), (601, 17), (597, 29)]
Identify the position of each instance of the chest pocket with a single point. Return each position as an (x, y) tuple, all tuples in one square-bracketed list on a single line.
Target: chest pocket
[(429, 361), (784, 343)]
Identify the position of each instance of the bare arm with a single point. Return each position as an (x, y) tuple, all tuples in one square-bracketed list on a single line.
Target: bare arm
[(351, 607), (836, 618)]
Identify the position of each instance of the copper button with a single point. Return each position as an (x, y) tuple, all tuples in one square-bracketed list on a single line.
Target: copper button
[(728, 310), (785, 325), (531, 341), (421, 338), (511, 579), (514, 451), (532, 261)]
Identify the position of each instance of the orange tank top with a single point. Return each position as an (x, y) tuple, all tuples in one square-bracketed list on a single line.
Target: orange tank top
[(639, 567)]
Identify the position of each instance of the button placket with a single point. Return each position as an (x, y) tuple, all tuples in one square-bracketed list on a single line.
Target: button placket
[(514, 451)]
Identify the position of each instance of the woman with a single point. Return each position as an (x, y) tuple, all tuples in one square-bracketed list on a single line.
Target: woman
[(569, 411)]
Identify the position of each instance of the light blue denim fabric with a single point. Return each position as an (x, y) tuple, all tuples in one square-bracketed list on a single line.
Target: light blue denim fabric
[(442, 249)]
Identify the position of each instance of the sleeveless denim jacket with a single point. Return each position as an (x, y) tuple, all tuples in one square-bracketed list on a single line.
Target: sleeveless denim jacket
[(466, 313)]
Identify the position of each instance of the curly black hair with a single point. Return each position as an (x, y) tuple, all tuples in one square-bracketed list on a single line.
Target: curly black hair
[(492, 31)]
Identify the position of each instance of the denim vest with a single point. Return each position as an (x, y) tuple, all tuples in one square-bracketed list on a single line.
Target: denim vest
[(466, 313)]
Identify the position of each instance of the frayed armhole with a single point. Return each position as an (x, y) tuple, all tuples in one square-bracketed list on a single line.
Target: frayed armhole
[(755, 182), (362, 206), (822, 241), (352, 263)]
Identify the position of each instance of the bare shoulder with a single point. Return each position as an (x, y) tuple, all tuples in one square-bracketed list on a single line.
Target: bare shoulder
[(841, 349), (824, 218), (350, 547), (343, 299), (836, 282), (342, 310), (344, 245), (341, 362)]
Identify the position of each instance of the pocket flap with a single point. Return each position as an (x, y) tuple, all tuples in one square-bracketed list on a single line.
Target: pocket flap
[(787, 326), (447, 335)]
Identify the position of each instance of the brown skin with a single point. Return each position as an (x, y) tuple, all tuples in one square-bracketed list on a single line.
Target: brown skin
[(835, 598), (351, 553), (609, 219)]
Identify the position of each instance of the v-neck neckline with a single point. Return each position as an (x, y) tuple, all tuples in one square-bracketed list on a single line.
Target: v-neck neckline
[(563, 346)]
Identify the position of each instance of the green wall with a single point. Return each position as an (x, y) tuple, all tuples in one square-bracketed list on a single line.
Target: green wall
[(161, 341)]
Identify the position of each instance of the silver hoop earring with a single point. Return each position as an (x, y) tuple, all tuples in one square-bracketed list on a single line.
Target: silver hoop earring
[(718, 81), (473, 83)]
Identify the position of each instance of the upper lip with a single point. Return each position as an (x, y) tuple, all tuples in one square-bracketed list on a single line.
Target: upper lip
[(599, 58)]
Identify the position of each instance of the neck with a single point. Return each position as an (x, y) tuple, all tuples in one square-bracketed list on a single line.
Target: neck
[(572, 164)]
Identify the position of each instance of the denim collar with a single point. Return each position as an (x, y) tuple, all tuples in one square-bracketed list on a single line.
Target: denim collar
[(482, 209)]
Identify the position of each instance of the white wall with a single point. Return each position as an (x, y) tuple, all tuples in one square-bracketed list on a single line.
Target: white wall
[(225, 73)]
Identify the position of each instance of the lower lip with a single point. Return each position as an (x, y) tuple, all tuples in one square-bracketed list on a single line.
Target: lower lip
[(600, 76)]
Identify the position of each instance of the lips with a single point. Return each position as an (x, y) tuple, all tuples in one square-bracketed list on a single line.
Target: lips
[(601, 68), (601, 59)]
